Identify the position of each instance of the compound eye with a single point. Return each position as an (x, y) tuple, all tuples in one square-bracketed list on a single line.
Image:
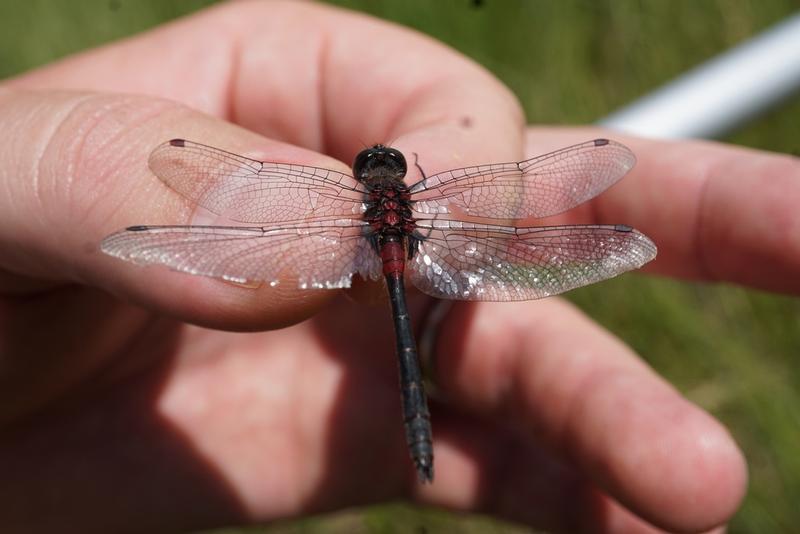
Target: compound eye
[(398, 160), (360, 163)]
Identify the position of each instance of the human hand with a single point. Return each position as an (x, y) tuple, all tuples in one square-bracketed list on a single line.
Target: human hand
[(126, 418)]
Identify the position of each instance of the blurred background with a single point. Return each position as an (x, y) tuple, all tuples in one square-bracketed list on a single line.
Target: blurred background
[(732, 351)]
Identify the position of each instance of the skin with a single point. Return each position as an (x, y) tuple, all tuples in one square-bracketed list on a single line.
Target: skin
[(135, 413)]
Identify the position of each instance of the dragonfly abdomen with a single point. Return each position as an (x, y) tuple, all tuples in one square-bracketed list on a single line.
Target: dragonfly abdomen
[(393, 256), (416, 417)]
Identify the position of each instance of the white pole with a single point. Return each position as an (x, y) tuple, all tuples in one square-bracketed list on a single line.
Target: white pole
[(722, 93)]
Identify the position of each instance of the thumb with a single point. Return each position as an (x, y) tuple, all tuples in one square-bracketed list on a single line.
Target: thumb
[(73, 169)]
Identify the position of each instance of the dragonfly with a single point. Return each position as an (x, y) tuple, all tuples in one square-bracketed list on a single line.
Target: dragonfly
[(452, 234)]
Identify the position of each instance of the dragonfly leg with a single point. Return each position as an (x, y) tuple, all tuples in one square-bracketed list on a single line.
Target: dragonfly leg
[(417, 165)]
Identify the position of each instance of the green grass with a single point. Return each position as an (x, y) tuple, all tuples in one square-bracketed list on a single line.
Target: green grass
[(733, 351)]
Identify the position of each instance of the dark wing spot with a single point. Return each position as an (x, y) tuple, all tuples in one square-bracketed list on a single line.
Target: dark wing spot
[(136, 228), (177, 142), (600, 142), (623, 228)]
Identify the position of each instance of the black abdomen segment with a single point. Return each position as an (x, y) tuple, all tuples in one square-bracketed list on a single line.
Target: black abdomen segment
[(416, 417)]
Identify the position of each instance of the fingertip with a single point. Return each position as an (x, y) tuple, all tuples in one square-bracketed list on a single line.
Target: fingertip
[(671, 463), (547, 369), (484, 466), (704, 475)]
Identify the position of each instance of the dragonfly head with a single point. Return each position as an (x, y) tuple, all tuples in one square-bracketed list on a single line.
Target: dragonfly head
[(379, 162)]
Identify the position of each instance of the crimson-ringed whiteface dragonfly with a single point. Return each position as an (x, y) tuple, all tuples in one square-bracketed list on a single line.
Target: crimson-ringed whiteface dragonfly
[(448, 233)]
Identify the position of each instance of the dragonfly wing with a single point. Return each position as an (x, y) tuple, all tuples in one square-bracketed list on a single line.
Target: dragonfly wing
[(468, 261), (318, 255), (537, 187), (252, 191)]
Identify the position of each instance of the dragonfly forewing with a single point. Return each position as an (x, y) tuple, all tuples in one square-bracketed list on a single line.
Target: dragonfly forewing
[(537, 187), (251, 191)]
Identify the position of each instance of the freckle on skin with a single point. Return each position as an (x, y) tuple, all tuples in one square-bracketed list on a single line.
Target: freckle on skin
[(466, 121)]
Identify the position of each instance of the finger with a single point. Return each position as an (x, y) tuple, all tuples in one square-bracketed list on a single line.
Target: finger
[(75, 170), (483, 467), (570, 387), (304, 73), (419, 95), (716, 212)]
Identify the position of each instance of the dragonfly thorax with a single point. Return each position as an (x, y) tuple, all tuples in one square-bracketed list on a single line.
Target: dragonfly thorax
[(388, 208)]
